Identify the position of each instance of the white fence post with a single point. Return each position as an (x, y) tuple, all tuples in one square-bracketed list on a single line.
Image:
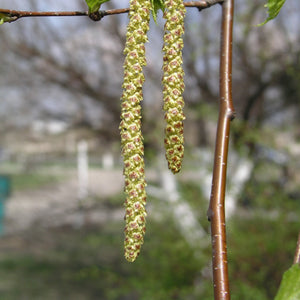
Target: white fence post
[(82, 169), (107, 161)]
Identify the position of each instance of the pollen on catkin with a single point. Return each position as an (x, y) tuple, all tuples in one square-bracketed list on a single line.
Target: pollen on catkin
[(130, 127), (173, 84)]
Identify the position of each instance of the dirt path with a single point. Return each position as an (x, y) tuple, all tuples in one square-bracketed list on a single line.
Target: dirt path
[(58, 204)]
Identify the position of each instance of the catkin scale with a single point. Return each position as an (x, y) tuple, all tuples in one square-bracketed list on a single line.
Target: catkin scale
[(173, 85), (130, 127)]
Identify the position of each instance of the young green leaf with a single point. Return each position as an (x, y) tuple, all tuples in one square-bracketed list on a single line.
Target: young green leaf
[(289, 287), (156, 5), (274, 7), (5, 17), (94, 5)]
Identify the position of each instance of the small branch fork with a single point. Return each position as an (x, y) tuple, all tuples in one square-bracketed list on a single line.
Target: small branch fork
[(216, 211), (15, 15)]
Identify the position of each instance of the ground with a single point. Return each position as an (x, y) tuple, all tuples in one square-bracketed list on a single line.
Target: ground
[(57, 204)]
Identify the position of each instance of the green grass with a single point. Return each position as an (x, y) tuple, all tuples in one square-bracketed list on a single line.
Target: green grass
[(88, 263), (27, 181)]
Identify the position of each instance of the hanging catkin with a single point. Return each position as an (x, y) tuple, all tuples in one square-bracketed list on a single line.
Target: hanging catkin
[(130, 127), (173, 84)]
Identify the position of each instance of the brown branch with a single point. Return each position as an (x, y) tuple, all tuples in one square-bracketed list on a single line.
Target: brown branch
[(216, 211), (14, 15), (202, 4), (297, 253)]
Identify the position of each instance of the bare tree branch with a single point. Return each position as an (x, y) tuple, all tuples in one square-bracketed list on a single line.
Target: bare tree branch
[(14, 15)]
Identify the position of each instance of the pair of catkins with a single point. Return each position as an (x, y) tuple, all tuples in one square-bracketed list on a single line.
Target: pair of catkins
[(130, 126)]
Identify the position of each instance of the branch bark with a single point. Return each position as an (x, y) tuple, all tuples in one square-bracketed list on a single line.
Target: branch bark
[(216, 211), (297, 253)]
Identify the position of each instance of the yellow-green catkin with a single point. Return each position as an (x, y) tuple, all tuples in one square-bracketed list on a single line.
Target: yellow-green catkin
[(130, 127), (173, 84)]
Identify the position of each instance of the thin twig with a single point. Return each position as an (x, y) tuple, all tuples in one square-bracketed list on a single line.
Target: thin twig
[(216, 211), (14, 15), (297, 253), (21, 14)]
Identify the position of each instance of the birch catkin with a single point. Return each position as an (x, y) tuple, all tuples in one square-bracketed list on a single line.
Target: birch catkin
[(130, 127), (173, 85)]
